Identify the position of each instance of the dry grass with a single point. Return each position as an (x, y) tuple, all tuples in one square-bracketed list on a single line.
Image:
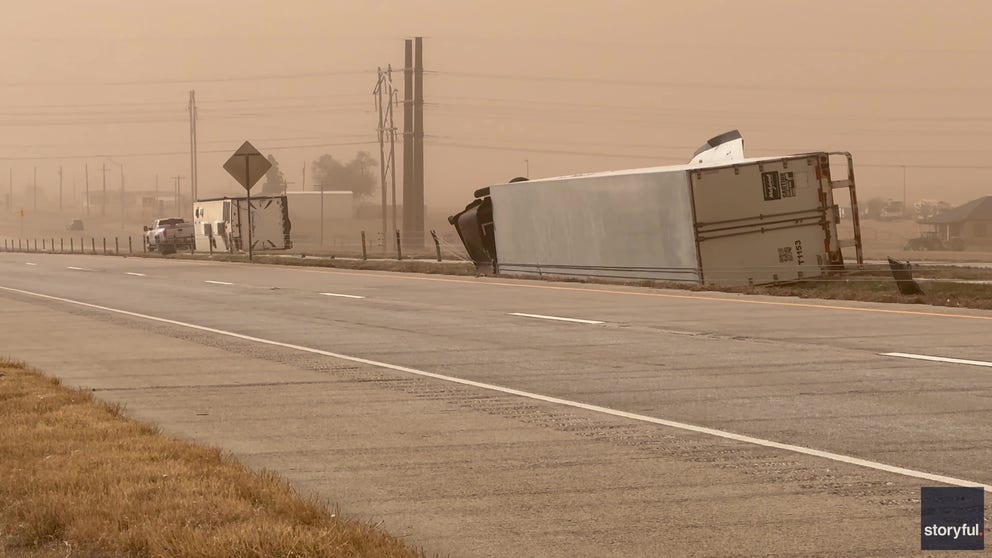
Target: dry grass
[(78, 478)]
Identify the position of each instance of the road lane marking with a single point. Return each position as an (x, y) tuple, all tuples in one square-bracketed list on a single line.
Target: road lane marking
[(74, 268), (218, 282), (555, 318), (840, 458), (342, 295), (410, 277), (135, 274), (29, 263), (404, 276), (940, 359)]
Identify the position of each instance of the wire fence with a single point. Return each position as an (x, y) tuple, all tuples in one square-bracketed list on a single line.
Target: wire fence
[(435, 248)]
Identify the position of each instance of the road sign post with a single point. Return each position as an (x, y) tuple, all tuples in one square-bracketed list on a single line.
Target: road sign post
[(247, 166)]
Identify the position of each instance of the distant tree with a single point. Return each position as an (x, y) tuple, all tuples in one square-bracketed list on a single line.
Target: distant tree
[(356, 175), (275, 182)]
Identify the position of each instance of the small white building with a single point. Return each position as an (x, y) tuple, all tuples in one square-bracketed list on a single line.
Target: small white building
[(222, 224)]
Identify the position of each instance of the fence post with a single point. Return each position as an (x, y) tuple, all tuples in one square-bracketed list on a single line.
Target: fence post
[(93, 245), (72, 247), (104, 246), (35, 244), (437, 244), (43, 247), (130, 247), (61, 245), (365, 254), (399, 247), (53, 244)]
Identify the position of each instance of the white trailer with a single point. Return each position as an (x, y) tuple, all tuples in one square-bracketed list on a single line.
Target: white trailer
[(221, 224), (721, 219), (314, 213)]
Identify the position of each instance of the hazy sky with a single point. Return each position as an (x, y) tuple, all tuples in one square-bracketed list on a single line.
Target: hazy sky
[(562, 86)]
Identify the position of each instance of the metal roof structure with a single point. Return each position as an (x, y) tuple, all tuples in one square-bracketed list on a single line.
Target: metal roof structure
[(976, 210)]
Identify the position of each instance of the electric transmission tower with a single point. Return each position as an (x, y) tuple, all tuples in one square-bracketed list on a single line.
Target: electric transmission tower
[(385, 99)]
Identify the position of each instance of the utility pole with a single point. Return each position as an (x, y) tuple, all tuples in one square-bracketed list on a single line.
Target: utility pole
[(87, 171), (10, 187), (193, 183), (35, 188), (386, 126), (122, 198), (392, 145), (408, 180), (60, 188), (905, 209), (103, 204), (303, 186), (417, 226), (178, 195)]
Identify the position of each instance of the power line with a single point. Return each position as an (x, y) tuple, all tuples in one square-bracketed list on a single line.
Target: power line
[(189, 80), (527, 149), (172, 153), (778, 86)]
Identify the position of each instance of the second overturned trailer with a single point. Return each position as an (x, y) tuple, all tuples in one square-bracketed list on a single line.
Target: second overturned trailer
[(721, 219), (221, 224)]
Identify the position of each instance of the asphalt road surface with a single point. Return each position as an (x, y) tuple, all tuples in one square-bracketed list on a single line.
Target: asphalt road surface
[(493, 417)]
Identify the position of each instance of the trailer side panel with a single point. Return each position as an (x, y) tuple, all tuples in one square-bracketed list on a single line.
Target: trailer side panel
[(636, 226)]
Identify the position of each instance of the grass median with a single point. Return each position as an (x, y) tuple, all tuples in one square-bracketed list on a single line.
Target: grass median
[(77, 477)]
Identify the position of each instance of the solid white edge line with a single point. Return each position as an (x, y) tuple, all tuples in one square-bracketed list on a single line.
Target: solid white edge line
[(555, 318), (342, 295), (538, 397), (30, 263), (74, 268), (218, 282), (135, 274), (940, 359)]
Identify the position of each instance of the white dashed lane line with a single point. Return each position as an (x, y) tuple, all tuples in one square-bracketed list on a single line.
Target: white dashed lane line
[(742, 438), (342, 295), (29, 263), (74, 268), (135, 274), (218, 282), (940, 359), (556, 318)]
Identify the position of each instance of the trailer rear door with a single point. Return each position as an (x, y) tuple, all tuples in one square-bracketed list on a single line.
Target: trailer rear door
[(762, 222)]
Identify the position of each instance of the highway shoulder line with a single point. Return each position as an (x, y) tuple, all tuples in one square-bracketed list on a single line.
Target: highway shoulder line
[(555, 318), (939, 359), (836, 457)]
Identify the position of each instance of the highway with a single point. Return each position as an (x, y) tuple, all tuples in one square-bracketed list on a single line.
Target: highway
[(498, 417)]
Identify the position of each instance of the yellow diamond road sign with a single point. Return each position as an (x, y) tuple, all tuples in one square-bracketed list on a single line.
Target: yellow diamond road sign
[(247, 165)]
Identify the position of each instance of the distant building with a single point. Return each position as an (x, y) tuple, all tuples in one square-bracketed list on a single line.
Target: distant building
[(970, 223)]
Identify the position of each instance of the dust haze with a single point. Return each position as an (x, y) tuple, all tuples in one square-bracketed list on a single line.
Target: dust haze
[(511, 88)]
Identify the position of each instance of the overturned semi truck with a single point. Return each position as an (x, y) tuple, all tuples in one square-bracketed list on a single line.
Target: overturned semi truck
[(721, 219)]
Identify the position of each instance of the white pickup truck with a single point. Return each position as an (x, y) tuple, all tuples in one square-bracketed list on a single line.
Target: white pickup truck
[(169, 235)]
